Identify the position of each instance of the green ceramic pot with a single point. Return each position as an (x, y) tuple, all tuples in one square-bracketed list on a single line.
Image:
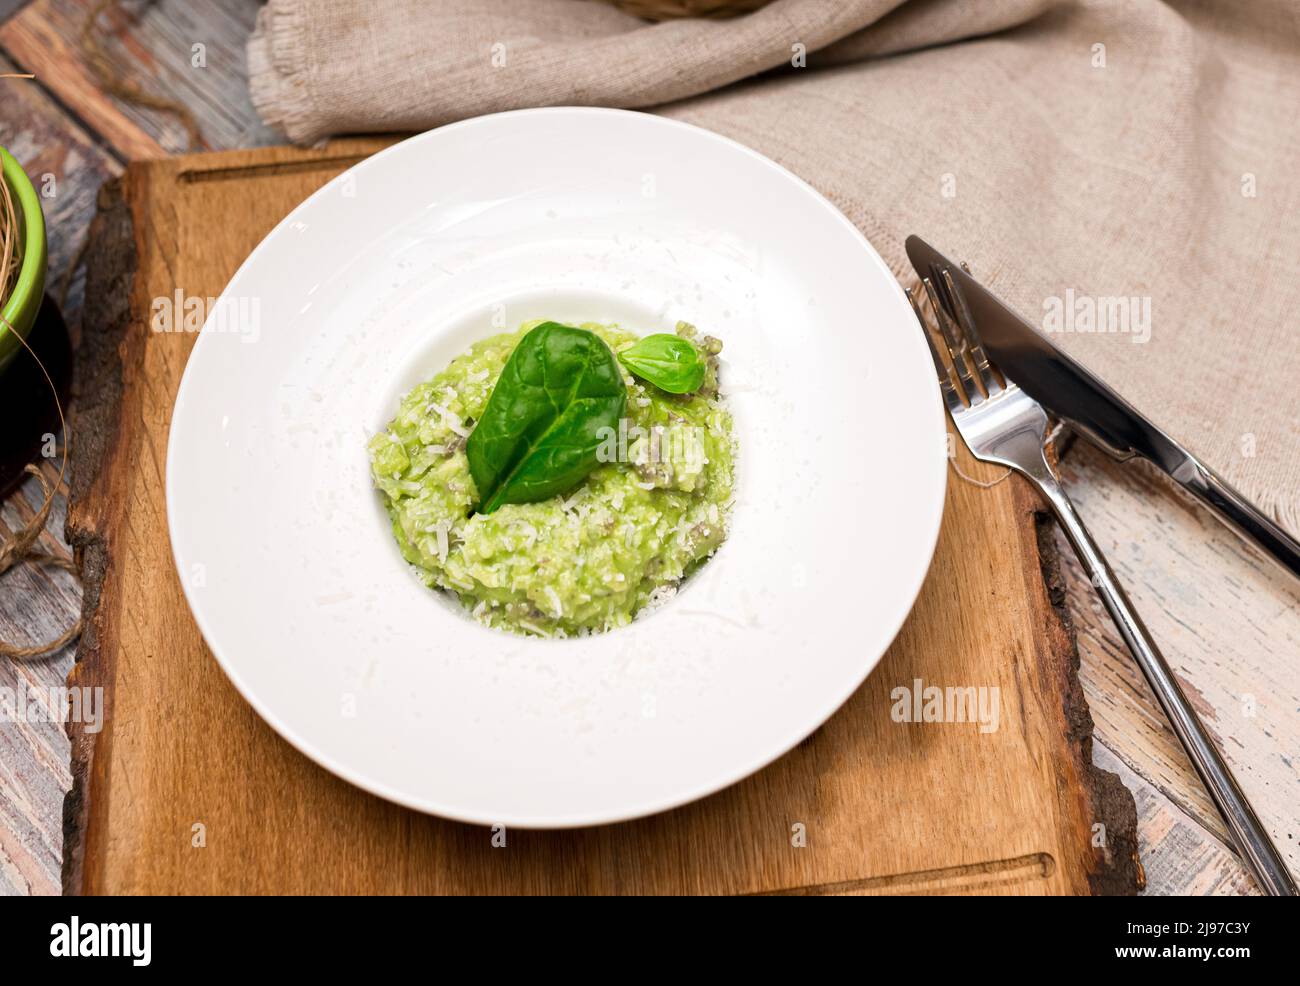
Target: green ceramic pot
[(24, 301)]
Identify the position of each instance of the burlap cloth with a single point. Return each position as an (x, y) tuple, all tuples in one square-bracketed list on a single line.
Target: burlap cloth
[(1068, 150)]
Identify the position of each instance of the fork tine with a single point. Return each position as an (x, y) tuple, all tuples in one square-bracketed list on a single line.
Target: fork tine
[(956, 342), (951, 394), (966, 324)]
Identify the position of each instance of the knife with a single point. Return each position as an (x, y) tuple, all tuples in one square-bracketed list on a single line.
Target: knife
[(1070, 392)]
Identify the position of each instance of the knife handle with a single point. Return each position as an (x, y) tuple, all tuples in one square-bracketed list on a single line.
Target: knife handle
[(1241, 515), (1251, 838)]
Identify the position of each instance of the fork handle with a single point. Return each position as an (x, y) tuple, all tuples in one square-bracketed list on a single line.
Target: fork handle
[(1252, 840)]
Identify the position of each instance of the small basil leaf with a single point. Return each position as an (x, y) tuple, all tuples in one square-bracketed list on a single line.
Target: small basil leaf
[(539, 433), (669, 362)]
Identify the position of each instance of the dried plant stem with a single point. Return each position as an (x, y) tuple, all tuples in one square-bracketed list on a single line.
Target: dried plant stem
[(11, 246)]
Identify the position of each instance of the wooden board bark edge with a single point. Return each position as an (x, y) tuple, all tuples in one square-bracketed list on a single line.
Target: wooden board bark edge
[(110, 352), (1110, 803), (96, 398)]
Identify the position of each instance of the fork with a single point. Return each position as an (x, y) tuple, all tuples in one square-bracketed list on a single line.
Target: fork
[(1001, 424)]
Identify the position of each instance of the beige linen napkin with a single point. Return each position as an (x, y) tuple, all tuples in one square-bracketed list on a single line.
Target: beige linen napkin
[(1133, 158)]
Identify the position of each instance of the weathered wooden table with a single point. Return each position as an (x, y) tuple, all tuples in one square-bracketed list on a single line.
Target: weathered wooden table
[(1228, 622)]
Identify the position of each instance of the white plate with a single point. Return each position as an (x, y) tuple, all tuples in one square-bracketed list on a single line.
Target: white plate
[(386, 273)]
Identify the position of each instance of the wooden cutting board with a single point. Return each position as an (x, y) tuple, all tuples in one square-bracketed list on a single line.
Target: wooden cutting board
[(186, 790)]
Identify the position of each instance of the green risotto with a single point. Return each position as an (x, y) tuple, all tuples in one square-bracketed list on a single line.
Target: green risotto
[(587, 560)]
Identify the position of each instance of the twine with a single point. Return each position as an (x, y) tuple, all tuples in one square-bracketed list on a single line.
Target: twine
[(20, 546), (129, 90), (982, 484)]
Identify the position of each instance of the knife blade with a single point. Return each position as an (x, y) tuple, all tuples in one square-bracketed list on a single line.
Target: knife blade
[(1069, 391)]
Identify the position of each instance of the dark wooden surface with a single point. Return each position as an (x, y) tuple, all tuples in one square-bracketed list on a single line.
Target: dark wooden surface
[(1227, 622)]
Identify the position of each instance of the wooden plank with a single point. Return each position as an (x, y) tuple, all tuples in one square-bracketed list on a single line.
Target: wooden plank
[(38, 603), (31, 42), (10, 7), (151, 46), (886, 806), (1227, 620)]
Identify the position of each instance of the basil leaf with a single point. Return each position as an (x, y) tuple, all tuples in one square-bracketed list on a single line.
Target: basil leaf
[(540, 431), (669, 362)]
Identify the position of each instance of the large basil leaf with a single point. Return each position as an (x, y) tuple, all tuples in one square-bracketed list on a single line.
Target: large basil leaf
[(542, 425), (669, 362)]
